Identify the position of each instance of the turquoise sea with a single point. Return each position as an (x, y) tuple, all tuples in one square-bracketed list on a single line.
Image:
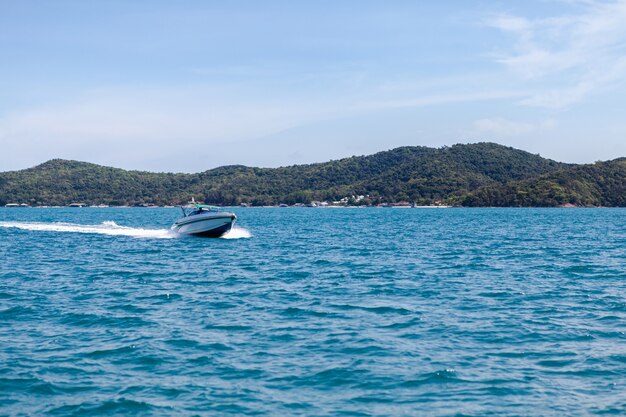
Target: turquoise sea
[(314, 312)]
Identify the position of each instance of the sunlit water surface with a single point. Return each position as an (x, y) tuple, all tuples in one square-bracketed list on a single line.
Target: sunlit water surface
[(319, 312)]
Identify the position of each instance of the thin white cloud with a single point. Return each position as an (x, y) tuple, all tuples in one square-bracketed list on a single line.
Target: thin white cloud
[(197, 114), (437, 99), (515, 24), (139, 124), (579, 54), (496, 128)]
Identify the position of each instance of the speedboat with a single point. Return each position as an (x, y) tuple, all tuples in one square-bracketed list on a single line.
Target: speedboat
[(205, 221)]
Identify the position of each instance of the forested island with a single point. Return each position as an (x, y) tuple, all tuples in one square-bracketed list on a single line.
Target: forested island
[(477, 175)]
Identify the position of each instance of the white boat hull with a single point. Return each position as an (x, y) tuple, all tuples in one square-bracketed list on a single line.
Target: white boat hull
[(210, 224)]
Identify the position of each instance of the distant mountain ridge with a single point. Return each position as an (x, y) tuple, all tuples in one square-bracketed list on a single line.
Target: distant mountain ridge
[(479, 174)]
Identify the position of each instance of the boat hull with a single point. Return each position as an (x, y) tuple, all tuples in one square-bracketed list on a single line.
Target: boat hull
[(205, 225)]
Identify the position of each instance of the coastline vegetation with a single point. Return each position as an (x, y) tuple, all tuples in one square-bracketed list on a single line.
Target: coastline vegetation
[(476, 175)]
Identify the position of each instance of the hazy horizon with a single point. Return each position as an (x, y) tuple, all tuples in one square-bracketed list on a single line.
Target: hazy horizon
[(194, 85), (201, 169)]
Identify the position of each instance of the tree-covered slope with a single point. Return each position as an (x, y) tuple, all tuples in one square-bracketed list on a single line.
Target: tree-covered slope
[(418, 174), (61, 182), (409, 173), (599, 184)]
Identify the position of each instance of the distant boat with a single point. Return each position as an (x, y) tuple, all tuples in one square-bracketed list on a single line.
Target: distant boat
[(204, 221), (77, 205), (12, 205)]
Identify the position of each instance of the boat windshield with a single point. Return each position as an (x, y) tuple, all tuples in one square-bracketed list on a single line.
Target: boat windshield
[(206, 207), (201, 208)]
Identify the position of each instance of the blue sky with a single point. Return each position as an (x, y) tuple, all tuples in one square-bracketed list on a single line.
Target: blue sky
[(191, 85)]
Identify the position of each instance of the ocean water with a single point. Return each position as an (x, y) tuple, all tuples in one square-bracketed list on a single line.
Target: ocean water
[(314, 312)]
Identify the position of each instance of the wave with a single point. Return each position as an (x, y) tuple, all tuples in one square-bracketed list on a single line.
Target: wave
[(105, 228)]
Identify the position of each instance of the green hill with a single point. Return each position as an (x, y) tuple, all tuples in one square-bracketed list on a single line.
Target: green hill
[(599, 184), (464, 174)]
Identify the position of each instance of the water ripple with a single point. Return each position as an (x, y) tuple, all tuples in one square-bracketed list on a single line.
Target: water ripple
[(501, 312)]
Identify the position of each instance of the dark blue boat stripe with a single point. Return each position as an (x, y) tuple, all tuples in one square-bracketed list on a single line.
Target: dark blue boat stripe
[(202, 220)]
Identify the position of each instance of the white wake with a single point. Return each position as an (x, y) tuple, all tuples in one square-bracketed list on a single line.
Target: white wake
[(113, 229), (105, 228), (237, 233)]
